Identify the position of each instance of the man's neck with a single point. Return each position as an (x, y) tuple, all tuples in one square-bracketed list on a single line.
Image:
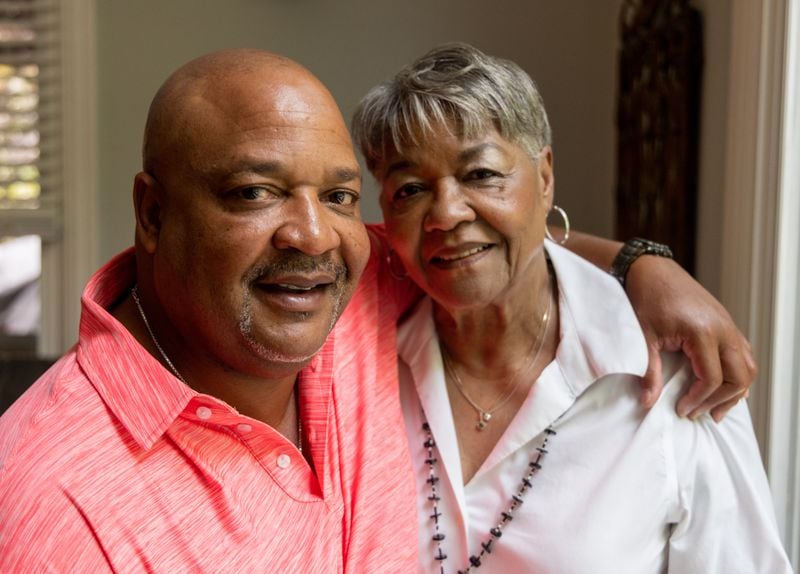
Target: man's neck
[(270, 400)]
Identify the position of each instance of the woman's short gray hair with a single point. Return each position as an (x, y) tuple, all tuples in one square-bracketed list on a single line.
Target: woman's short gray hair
[(456, 86)]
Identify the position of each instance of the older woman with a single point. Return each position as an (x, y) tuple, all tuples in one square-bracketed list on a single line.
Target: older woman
[(519, 371)]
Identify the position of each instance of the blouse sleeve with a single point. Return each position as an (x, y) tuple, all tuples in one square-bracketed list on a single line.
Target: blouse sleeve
[(724, 520)]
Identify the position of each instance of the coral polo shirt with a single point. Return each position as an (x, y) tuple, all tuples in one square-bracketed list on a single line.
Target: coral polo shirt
[(109, 463)]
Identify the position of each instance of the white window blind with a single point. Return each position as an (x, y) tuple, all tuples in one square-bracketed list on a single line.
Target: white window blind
[(30, 119), (31, 190)]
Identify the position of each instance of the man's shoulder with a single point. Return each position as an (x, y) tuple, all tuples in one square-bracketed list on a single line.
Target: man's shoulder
[(40, 527), (58, 441), (43, 447), (48, 425)]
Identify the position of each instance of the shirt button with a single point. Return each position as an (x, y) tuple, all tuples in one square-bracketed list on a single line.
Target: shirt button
[(284, 461), (203, 413), (244, 427)]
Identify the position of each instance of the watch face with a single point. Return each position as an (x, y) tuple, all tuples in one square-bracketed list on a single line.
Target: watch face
[(638, 245), (636, 248), (641, 246), (631, 250)]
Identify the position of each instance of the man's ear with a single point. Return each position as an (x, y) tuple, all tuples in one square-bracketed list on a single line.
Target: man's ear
[(147, 200)]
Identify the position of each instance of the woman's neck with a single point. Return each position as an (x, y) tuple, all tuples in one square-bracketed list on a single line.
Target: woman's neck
[(492, 357), (492, 340)]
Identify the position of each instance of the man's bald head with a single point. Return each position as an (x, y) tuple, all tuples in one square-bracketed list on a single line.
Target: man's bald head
[(221, 82), (249, 237)]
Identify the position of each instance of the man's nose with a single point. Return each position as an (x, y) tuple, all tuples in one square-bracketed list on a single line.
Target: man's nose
[(306, 225)]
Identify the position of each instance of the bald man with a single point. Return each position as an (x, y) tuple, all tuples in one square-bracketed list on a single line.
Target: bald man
[(211, 417), (196, 426)]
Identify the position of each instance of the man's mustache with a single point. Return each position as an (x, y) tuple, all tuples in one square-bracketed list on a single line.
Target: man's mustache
[(298, 263)]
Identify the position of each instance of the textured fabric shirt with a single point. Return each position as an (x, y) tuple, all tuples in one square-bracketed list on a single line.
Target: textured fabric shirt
[(109, 463), (621, 490)]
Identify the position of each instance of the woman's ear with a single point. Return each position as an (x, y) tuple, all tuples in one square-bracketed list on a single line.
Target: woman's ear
[(546, 175), (147, 208)]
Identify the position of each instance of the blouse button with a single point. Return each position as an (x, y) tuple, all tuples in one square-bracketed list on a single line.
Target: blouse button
[(284, 461)]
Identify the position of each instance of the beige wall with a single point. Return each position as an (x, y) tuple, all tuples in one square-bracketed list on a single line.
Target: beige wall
[(713, 131), (568, 47)]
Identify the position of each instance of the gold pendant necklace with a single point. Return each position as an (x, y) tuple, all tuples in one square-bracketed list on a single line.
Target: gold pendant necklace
[(485, 415)]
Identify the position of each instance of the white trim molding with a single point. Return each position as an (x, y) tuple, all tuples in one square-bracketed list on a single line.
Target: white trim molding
[(68, 263), (759, 278), (784, 443)]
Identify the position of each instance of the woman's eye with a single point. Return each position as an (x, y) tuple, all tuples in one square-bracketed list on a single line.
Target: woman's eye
[(480, 174), (406, 191), (342, 197)]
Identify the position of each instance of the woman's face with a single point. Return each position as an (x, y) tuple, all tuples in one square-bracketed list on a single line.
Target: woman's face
[(467, 217)]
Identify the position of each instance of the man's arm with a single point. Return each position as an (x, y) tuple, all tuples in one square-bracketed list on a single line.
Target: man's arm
[(677, 314)]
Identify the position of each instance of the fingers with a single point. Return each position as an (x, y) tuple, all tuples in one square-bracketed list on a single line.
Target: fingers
[(738, 373), (719, 412), (653, 381), (749, 361), (719, 402), (725, 382), (707, 367)]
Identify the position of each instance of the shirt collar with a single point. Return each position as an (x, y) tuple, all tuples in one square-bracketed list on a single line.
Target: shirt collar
[(594, 310), (136, 388), (599, 336), (595, 315)]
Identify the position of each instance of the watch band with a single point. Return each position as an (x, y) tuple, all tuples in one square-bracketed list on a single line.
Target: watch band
[(631, 251)]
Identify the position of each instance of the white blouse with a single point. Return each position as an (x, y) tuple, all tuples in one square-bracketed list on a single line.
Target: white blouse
[(621, 490)]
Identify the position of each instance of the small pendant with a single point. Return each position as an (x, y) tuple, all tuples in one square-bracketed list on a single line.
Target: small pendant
[(483, 420)]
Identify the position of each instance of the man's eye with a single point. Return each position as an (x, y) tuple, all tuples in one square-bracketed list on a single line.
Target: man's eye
[(342, 197), (253, 193)]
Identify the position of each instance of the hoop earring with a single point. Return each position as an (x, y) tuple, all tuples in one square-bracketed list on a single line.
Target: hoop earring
[(390, 262), (564, 217)]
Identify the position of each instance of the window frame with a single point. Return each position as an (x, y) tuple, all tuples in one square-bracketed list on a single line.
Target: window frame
[(68, 263)]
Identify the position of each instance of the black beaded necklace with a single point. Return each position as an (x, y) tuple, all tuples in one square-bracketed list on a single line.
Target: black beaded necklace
[(475, 560)]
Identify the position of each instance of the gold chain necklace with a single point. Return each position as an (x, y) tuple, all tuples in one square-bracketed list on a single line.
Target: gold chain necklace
[(485, 415), (135, 295)]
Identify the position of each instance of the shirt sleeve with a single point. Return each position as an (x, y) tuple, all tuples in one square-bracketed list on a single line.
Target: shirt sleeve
[(45, 533), (724, 519)]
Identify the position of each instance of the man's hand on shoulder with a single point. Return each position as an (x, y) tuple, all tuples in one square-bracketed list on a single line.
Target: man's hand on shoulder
[(677, 314)]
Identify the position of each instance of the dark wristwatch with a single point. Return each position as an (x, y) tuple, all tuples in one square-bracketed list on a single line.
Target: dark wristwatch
[(631, 251)]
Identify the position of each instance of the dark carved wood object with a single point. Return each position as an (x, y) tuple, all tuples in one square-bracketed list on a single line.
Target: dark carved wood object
[(658, 109)]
